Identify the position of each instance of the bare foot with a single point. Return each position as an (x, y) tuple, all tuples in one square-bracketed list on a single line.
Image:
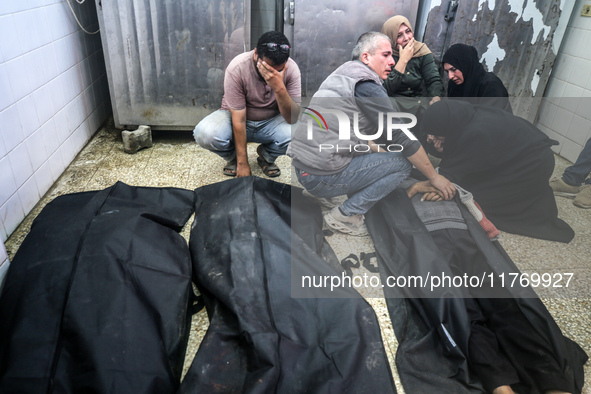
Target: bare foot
[(503, 390)]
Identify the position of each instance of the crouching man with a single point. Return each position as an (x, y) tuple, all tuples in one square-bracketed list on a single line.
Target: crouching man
[(262, 90), (336, 156)]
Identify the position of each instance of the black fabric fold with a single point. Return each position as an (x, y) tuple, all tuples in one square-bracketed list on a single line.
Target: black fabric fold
[(504, 161), (251, 242), (433, 328), (97, 297)]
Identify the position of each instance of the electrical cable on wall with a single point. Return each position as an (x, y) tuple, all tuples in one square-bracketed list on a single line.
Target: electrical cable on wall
[(75, 17)]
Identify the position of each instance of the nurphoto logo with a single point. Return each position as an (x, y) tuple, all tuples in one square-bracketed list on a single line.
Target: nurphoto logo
[(394, 121)]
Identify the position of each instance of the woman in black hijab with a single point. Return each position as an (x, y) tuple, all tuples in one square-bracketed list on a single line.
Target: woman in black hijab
[(505, 162), (467, 78)]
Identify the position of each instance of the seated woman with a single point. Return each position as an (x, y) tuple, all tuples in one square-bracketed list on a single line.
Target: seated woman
[(503, 160), (467, 78), (414, 67)]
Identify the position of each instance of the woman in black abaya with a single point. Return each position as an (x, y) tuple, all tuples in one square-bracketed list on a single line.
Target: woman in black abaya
[(467, 78), (504, 161)]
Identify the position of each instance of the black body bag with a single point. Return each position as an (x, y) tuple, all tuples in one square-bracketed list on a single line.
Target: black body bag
[(433, 326), (250, 250), (97, 297)]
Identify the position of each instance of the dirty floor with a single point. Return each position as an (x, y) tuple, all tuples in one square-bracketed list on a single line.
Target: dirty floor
[(176, 160)]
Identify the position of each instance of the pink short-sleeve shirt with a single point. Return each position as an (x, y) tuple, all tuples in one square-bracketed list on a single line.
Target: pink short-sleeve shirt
[(244, 88)]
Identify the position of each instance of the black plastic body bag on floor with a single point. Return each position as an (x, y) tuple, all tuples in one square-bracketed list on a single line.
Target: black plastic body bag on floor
[(97, 297), (248, 243), (433, 328)]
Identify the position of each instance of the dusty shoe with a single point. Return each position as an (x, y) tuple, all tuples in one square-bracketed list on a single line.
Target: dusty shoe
[(352, 225), (583, 199), (563, 189)]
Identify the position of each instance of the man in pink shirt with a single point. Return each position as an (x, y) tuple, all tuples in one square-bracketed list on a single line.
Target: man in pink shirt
[(262, 90)]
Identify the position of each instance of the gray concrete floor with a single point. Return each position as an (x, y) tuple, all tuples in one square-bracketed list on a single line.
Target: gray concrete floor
[(175, 160)]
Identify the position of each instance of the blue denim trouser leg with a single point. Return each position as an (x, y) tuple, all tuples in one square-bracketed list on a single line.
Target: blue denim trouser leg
[(274, 134), (214, 133), (575, 175), (366, 180)]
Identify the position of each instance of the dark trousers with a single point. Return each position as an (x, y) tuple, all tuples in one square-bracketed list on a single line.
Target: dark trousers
[(504, 348), (575, 175)]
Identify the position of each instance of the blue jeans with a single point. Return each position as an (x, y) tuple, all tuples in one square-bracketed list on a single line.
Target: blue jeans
[(214, 133), (575, 175), (366, 180)]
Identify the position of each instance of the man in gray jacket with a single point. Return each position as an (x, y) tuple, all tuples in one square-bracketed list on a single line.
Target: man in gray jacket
[(333, 157)]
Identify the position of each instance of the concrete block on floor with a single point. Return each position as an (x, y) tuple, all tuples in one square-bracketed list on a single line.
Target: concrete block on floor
[(137, 139)]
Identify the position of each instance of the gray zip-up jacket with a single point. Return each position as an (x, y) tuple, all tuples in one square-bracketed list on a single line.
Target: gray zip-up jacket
[(332, 129)]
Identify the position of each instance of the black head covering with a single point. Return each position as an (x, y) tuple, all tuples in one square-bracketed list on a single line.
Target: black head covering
[(464, 58), (480, 132), (447, 118)]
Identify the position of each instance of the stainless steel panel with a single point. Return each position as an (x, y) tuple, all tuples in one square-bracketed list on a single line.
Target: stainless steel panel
[(325, 31), (517, 39), (264, 17), (166, 59)]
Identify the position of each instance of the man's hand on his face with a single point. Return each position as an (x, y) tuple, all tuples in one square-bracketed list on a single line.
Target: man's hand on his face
[(273, 77)]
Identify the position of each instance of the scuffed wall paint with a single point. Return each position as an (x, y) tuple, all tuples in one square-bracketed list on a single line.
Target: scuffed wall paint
[(490, 4), (535, 81), (481, 5), (493, 53), (530, 13), (517, 39)]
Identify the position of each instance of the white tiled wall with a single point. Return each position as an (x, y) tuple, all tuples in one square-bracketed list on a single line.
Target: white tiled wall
[(565, 114), (53, 98)]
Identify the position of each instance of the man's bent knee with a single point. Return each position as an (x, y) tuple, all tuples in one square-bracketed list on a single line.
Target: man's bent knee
[(211, 139), (214, 131), (203, 136)]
